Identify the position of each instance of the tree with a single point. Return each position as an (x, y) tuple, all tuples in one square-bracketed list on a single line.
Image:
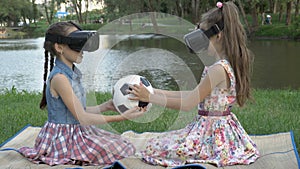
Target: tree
[(35, 11), (77, 5), (281, 7), (27, 12), (86, 11), (49, 10), (244, 16), (297, 8), (288, 12), (11, 11)]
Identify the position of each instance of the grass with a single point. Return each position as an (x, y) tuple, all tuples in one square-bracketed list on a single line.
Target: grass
[(273, 111)]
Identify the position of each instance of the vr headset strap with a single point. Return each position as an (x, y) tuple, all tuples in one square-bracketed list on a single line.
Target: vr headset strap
[(61, 39), (74, 24), (57, 39), (215, 29)]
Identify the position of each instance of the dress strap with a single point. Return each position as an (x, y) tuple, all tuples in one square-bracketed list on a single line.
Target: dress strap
[(226, 65)]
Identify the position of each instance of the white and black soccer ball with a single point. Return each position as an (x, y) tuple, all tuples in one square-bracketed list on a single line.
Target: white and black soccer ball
[(120, 94)]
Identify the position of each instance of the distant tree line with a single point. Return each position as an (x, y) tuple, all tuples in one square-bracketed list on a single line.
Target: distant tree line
[(14, 11)]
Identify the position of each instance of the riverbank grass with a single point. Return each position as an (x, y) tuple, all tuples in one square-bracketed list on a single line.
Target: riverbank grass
[(273, 111)]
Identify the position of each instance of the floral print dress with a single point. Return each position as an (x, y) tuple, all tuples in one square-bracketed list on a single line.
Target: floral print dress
[(212, 138)]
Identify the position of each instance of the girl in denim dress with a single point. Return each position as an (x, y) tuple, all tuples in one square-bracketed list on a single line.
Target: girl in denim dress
[(69, 137)]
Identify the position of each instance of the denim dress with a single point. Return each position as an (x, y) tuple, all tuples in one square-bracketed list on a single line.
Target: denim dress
[(63, 140)]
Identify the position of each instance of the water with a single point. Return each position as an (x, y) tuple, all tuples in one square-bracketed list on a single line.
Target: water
[(164, 61), (21, 64), (276, 64)]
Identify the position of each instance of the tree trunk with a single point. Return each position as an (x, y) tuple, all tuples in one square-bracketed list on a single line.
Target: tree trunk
[(275, 6), (197, 5), (288, 13), (195, 10), (86, 11), (271, 4), (244, 16), (297, 8), (253, 11), (179, 9), (152, 17), (280, 13), (77, 6), (49, 15), (35, 12)]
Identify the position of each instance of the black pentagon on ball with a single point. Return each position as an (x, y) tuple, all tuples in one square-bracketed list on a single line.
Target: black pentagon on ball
[(124, 88), (122, 108), (145, 81)]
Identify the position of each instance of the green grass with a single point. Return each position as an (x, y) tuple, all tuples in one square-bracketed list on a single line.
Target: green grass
[(273, 111)]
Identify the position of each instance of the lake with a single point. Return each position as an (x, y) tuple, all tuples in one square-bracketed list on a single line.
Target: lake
[(165, 61)]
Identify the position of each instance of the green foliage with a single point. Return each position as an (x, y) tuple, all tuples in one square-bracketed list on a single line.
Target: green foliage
[(296, 28), (279, 31), (91, 26), (11, 11), (115, 9)]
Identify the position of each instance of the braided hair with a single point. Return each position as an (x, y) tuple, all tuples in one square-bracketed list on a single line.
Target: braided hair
[(59, 28)]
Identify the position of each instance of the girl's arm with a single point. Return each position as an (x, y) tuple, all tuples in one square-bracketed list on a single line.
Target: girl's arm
[(186, 100), (173, 94), (61, 86), (106, 106)]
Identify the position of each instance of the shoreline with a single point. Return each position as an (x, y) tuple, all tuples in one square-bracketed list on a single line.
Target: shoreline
[(273, 38)]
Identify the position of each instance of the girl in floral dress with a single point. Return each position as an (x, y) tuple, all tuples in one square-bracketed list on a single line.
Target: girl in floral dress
[(215, 136), (69, 137)]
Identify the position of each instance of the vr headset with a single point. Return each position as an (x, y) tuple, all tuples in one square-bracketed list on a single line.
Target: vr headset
[(78, 40), (198, 39)]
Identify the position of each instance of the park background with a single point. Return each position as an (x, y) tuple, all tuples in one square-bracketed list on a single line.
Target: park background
[(273, 111)]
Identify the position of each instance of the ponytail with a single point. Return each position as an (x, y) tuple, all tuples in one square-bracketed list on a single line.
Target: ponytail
[(239, 56), (235, 46)]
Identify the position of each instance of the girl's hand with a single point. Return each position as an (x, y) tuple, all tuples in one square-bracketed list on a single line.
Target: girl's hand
[(140, 92), (110, 105), (134, 112)]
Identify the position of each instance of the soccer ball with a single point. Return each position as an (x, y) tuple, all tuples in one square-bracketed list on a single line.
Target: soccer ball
[(120, 94)]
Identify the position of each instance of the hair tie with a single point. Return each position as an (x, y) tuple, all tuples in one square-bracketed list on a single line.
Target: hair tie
[(219, 5)]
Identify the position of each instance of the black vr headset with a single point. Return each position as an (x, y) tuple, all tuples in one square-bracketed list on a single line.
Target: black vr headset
[(198, 39), (77, 40)]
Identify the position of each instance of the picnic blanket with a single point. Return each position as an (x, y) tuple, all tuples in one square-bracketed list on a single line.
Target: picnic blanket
[(278, 151)]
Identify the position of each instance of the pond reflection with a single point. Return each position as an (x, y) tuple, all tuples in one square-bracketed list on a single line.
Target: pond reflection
[(18, 45)]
